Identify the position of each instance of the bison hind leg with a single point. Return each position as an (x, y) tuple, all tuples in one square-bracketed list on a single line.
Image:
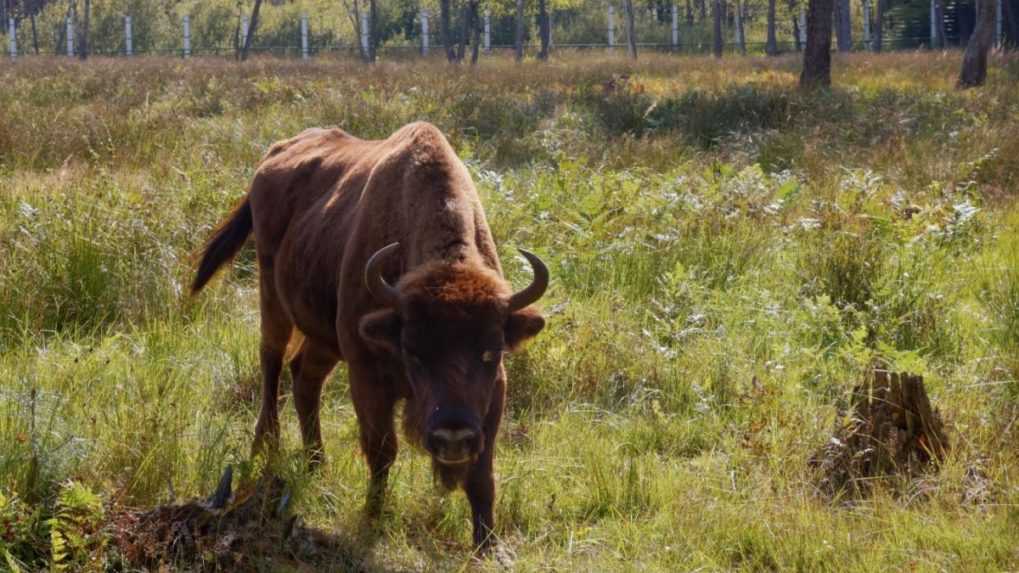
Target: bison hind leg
[(310, 368), (276, 330)]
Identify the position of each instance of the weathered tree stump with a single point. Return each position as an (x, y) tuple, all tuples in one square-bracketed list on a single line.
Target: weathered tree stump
[(893, 432)]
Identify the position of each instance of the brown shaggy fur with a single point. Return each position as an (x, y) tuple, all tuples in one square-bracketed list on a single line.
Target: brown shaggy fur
[(320, 205)]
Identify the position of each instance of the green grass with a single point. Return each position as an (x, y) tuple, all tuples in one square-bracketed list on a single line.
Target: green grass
[(707, 224)]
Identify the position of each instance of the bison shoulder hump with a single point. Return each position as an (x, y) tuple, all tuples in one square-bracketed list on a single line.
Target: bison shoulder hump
[(426, 143)]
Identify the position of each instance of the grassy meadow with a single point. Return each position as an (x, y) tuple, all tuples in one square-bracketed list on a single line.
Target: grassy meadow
[(729, 256)]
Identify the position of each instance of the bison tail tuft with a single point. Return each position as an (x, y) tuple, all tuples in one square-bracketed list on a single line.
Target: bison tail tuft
[(224, 244)]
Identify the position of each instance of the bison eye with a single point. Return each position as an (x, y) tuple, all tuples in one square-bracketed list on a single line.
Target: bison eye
[(490, 356)]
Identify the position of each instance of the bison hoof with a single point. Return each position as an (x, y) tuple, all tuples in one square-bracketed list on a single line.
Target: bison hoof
[(492, 549), (315, 459)]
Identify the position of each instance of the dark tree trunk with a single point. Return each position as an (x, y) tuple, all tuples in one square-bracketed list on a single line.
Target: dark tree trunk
[(939, 24), (83, 37), (879, 26), (689, 13), (631, 31), (475, 33), (717, 42), (771, 48), (465, 31), (62, 33), (817, 53), (373, 41), (35, 34), (544, 29), (444, 31), (1013, 25), (741, 38), (702, 5), (518, 32), (252, 26), (237, 32), (796, 25), (844, 25), (974, 61)]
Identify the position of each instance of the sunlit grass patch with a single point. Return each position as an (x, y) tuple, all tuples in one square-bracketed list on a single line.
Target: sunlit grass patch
[(730, 256)]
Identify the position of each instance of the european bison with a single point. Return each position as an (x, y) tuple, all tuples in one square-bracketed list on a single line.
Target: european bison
[(379, 254)]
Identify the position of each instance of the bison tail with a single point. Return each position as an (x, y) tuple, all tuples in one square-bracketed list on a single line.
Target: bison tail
[(224, 244)]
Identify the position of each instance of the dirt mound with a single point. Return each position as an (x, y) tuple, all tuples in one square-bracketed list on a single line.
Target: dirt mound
[(244, 532)]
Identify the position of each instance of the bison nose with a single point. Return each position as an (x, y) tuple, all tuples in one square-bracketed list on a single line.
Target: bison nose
[(454, 446)]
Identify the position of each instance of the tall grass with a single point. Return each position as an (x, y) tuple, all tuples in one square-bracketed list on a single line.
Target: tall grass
[(730, 255)]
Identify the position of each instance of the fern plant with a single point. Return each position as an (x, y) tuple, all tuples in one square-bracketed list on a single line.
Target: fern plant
[(77, 541)]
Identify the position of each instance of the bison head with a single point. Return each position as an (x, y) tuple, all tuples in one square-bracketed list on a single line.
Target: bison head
[(450, 323)]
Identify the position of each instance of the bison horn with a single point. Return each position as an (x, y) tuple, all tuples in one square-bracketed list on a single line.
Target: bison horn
[(377, 286), (538, 284)]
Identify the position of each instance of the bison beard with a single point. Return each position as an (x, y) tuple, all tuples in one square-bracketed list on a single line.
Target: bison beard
[(415, 413), (332, 217)]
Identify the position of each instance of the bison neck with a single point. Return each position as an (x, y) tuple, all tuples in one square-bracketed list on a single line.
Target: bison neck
[(451, 230), (444, 220)]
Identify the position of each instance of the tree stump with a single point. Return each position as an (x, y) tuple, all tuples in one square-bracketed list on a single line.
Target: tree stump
[(893, 432)]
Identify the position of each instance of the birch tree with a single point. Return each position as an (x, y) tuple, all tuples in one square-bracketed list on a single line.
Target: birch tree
[(354, 10)]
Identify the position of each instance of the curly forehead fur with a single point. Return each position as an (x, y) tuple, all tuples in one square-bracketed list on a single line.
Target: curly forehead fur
[(455, 283)]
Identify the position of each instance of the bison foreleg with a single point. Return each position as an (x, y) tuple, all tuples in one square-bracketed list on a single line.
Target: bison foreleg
[(480, 490), (374, 406), (480, 484)]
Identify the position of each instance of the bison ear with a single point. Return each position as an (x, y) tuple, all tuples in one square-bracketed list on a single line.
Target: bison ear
[(522, 325), (381, 329)]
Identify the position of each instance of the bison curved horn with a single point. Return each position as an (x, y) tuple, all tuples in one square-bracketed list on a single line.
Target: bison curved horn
[(538, 284), (377, 286)]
